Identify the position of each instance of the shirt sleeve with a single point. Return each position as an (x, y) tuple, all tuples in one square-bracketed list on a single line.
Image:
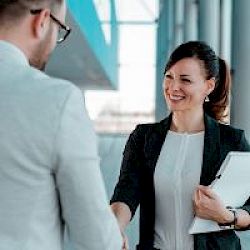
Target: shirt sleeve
[(85, 209), (127, 189)]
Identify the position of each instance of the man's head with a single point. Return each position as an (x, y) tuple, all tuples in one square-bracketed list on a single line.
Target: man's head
[(33, 26)]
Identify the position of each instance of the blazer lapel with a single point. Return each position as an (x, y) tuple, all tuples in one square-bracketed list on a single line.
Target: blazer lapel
[(155, 141), (211, 153)]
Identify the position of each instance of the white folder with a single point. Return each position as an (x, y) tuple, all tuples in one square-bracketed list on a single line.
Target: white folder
[(232, 185)]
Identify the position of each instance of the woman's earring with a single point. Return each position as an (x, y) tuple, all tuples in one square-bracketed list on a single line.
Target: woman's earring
[(207, 99)]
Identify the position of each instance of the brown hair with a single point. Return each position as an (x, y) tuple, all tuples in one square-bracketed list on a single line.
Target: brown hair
[(214, 67), (13, 10)]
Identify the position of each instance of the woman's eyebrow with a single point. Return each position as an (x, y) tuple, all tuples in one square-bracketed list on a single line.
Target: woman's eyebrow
[(184, 75)]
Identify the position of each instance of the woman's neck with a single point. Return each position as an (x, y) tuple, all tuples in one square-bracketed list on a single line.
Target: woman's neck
[(189, 122)]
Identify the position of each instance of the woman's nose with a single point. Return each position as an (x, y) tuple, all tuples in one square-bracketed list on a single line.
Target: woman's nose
[(174, 84)]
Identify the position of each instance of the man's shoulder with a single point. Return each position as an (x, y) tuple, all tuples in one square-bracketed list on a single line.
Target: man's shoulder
[(48, 86), (39, 76)]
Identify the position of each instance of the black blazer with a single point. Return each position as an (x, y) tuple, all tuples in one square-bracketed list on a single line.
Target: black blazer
[(136, 181)]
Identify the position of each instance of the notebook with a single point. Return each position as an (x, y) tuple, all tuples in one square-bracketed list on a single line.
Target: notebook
[(232, 185)]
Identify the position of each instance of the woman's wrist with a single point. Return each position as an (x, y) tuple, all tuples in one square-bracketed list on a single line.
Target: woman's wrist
[(243, 220), (235, 219), (230, 219)]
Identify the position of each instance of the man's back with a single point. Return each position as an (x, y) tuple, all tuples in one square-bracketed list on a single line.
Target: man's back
[(49, 171)]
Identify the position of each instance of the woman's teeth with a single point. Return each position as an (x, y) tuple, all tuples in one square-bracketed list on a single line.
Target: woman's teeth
[(176, 97)]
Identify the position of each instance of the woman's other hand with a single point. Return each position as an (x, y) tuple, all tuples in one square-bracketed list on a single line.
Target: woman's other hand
[(207, 205)]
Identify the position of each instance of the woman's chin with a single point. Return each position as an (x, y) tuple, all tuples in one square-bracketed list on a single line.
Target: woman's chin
[(175, 107)]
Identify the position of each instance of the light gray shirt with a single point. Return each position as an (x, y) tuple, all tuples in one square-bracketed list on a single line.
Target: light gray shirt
[(49, 167), (176, 176)]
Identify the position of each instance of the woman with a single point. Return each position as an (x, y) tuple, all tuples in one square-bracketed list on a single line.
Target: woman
[(165, 162)]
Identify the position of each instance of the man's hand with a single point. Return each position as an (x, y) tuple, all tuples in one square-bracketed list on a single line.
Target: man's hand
[(125, 245)]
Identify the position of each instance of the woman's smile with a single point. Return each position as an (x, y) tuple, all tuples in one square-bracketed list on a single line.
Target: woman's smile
[(176, 98)]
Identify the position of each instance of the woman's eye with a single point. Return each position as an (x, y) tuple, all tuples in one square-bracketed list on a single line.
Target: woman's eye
[(168, 77), (186, 81)]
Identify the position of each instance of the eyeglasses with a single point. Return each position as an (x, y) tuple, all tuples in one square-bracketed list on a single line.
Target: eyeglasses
[(63, 31)]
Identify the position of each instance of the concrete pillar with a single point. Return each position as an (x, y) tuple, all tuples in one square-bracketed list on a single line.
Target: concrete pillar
[(164, 48), (169, 12), (209, 23), (240, 104), (178, 22), (191, 20), (226, 30)]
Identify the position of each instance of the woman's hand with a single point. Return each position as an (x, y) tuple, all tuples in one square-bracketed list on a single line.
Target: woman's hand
[(207, 205)]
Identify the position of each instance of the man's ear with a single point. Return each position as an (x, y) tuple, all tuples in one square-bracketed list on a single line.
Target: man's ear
[(40, 24), (210, 85)]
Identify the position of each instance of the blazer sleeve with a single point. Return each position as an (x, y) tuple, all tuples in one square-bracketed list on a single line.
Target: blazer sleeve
[(84, 205), (244, 146), (127, 189)]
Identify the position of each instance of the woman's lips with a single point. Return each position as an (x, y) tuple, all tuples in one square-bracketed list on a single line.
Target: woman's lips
[(176, 97)]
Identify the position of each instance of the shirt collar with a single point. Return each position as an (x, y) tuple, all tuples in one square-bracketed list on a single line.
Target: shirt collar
[(10, 52)]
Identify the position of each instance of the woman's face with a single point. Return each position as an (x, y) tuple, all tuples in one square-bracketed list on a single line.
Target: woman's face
[(185, 85)]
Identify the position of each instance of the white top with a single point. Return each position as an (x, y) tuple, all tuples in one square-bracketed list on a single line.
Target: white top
[(177, 174), (48, 147)]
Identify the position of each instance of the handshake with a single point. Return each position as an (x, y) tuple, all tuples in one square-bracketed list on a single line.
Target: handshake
[(125, 244)]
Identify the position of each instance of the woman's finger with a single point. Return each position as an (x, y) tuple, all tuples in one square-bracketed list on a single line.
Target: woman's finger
[(196, 195), (207, 191)]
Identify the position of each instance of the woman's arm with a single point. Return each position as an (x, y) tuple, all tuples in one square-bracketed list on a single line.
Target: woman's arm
[(126, 197), (243, 220), (123, 216), (127, 190), (207, 205)]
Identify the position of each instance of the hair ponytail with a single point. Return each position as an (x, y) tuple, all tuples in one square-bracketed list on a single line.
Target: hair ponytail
[(217, 107)]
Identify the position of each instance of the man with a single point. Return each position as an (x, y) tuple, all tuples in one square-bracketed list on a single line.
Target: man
[(49, 169)]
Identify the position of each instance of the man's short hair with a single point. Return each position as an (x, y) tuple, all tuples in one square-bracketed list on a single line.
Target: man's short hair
[(13, 10)]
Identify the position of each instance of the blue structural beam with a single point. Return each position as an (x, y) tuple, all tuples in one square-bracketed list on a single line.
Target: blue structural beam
[(85, 15)]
